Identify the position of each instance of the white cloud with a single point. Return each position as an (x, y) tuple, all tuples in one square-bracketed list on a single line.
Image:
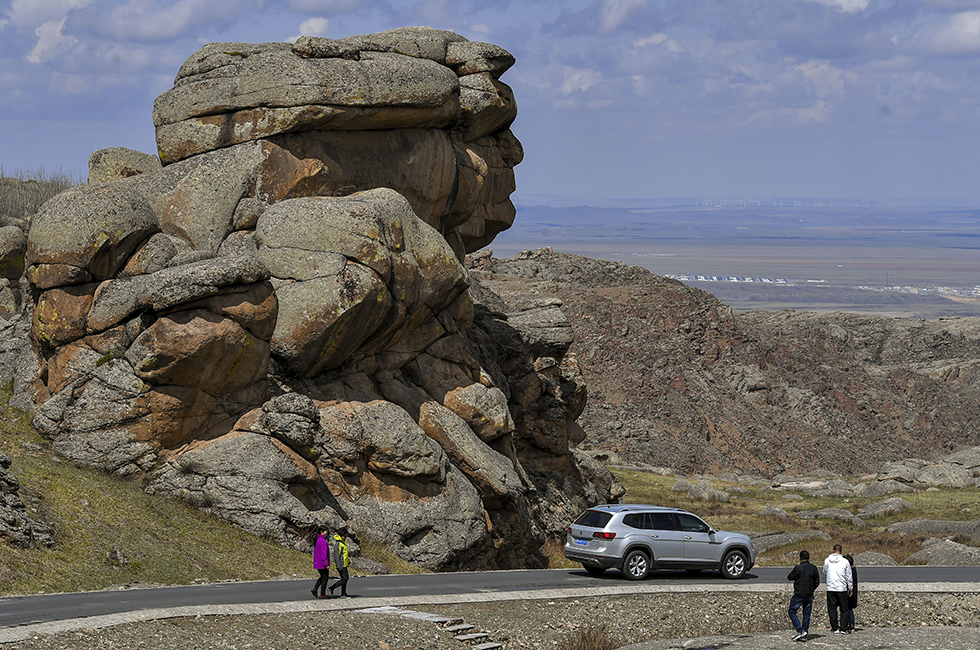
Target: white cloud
[(50, 41), (316, 26), (579, 79), (324, 6), (33, 13), (615, 12), (956, 34), (849, 6), (655, 39), (823, 76)]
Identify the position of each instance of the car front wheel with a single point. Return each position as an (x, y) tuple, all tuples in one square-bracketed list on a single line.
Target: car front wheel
[(735, 565), (636, 566)]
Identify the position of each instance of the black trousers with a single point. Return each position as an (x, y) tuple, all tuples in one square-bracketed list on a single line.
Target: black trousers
[(321, 582), (342, 583), (838, 600)]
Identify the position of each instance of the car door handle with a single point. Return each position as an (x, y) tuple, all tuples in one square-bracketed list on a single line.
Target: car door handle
[(687, 537), (655, 536)]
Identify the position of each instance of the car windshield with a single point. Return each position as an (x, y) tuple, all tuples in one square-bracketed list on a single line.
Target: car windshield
[(593, 519)]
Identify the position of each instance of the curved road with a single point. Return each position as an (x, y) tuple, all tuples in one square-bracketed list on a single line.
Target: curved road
[(18, 611)]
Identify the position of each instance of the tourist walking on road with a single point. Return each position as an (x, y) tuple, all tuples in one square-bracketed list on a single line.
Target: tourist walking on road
[(852, 601), (805, 579), (321, 562), (342, 561), (837, 572)]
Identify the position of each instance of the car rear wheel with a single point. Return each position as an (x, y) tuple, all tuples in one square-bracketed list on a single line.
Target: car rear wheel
[(594, 570), (636, 566), (735, 565)]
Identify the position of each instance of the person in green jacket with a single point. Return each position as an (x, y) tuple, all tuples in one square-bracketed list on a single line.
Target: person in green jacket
[(342, 561)]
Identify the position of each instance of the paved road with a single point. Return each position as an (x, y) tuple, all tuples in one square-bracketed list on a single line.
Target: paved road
[(26, 610)]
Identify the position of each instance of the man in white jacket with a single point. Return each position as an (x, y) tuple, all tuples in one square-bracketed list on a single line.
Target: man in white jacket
[(837, 572)]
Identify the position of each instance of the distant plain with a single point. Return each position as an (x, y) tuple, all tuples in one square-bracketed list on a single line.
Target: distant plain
[(852, 256)]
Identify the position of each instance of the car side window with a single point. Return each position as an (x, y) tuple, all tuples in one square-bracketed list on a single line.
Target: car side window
[(634, 521), (661, 521), (691, 524)]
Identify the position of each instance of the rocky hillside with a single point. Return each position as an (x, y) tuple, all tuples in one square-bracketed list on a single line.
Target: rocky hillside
[(677, 379)]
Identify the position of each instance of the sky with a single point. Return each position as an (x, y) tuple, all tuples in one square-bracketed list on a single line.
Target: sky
[(619, 101)]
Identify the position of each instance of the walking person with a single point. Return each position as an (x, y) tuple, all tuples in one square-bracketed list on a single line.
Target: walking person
[(852, 601), (321, 562), (342, 560), (837, 572), (805, 579)]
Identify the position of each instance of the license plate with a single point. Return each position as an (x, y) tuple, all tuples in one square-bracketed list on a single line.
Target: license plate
[(581, 542)]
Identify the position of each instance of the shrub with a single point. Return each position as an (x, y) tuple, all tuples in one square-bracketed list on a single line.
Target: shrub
[(590, 638), (23, 194)]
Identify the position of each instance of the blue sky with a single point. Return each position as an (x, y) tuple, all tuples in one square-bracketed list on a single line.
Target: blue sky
[(619, 100)]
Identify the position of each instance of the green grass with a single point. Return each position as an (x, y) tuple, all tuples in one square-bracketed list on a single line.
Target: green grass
[(741, 514)]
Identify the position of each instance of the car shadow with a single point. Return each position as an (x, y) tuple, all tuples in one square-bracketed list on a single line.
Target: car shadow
[(663, 574)]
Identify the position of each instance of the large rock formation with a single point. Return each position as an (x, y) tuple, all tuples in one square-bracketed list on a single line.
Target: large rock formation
[(275, 324)]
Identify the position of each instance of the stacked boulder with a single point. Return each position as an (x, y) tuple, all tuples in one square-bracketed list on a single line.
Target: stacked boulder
[(275, 324)]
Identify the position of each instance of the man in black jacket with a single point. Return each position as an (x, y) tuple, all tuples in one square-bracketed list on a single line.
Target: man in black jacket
[(805, 579)]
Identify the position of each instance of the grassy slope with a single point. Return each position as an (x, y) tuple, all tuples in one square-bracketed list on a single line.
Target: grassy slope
[(740, 514)]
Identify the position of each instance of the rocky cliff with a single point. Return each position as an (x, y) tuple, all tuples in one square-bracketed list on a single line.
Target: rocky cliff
[(676, 379), (271, 320)]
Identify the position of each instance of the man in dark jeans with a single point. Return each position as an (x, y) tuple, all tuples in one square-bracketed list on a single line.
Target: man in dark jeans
[(805, 579)]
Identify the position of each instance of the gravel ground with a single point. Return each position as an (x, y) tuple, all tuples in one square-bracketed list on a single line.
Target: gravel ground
[(654, 621)]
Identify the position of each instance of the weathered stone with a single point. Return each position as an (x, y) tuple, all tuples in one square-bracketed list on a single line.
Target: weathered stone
[(13, 246), (945, 553), (484, 410), (491, 473), (488, 106), (833, 513), (703, 491), (919, 526), (201, 349), (286, 93), (764, 543), (92, 227), (16, 526), (419, 164), (116, 163), (61, 314), (467, 58), (545, 328), (944, 475), (884, 508), (116, 300), (876, 489)]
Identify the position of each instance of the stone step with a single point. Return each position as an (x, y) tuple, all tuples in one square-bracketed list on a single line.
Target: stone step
[(488, 646), (472, 638), (462, 627)]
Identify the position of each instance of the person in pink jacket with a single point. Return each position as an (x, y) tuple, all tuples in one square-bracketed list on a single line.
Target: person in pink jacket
[(321, 562)]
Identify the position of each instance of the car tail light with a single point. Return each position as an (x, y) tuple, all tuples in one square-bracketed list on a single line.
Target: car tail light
[(602, 535)]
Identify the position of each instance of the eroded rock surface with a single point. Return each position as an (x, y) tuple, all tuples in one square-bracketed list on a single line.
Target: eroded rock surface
[(275, 325)]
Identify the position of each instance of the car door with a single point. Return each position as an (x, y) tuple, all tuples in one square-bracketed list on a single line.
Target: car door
[(666, 540), (700, 547)]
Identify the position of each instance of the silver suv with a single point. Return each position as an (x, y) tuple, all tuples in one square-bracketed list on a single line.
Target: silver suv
[(637, 539)]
